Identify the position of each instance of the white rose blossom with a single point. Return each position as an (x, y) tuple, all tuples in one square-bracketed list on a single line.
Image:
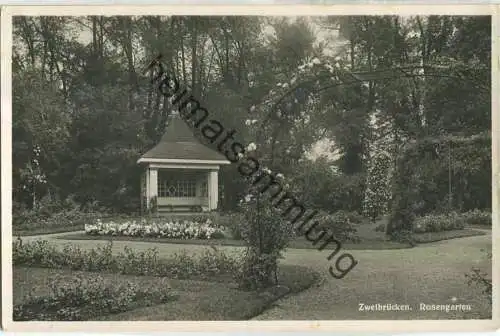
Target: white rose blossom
[(251, 147)]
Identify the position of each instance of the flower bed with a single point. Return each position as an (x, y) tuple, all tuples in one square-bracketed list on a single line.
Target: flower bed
[(86, 296), (182, 229), (211, 263), (438, 223)]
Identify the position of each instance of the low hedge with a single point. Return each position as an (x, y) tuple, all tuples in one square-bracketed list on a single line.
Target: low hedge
[(451, 221), (478, 217), (212, 263), (437, 223)]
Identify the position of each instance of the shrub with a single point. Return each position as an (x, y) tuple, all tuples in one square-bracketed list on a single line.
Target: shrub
[(84, 298), (438, 223), (157, 227), (380, 228), (339, 225), (266, 234), (404, 236), (480, 279), (478, 217), (355, 217), (233, 222), (41, 254), (315, 181), (257, 270), (51, 214)]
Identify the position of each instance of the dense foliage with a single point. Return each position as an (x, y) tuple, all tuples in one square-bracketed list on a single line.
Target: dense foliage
[(83, 112), (428, 170)]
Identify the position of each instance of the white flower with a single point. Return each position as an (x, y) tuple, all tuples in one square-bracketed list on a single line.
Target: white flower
[(248, 198), (254, 121), (252, 108), (316, 61), (240, 155), (280, 176), (293, 80), (285, 85), (278, 85), (266, 170), (251, 147), (248, 122)]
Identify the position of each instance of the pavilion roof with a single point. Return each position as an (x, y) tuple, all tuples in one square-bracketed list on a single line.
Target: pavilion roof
[(179, 143)]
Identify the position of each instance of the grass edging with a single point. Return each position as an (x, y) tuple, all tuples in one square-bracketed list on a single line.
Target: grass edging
[(46, 231), (298, 243), (228, 304), (291, 280), (431, 237)]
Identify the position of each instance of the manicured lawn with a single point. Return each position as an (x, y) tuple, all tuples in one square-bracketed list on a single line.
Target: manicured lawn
[(370, 239), (298, 243), (429, 237), (194, 300), (47, 230)]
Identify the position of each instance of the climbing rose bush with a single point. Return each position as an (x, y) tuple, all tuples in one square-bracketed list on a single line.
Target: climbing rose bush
[(169, 229), (378, 187)]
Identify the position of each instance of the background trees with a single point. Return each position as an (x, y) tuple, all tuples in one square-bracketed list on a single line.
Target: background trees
[(85, 111)]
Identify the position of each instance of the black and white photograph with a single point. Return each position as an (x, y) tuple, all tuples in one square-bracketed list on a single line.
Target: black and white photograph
[(254, 168)]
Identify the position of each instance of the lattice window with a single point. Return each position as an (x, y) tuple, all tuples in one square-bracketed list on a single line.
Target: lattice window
[(176, 185), (204, 188)]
